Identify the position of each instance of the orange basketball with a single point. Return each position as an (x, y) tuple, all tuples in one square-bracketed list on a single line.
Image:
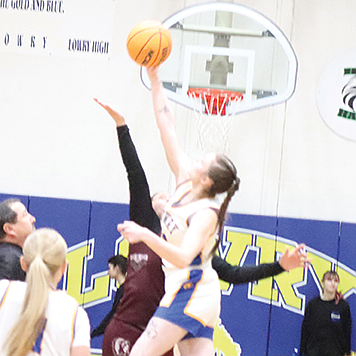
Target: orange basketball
[(149, 43)]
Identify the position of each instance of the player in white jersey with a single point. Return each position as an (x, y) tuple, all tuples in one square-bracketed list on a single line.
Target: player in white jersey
[(36, 319), (196, 305), (192, 220)]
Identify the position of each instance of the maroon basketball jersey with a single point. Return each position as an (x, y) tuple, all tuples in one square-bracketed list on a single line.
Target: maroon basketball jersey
[(144, 286)]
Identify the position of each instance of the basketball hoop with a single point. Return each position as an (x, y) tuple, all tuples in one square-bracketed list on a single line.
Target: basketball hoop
[(213, 119)]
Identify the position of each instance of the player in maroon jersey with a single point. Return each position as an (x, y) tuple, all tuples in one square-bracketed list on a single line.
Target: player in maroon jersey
[(144, 285)]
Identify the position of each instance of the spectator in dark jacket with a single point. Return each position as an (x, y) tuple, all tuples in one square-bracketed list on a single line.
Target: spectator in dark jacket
[(16, 223), (326, 328), (117, 271)]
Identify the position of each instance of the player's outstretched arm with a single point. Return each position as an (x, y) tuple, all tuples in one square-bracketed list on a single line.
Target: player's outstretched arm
[(141, 210), (201, 226), (239, 275), (178, 161), (118, 117)]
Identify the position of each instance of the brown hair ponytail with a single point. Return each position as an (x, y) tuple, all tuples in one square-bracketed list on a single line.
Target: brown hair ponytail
[(223, 173)]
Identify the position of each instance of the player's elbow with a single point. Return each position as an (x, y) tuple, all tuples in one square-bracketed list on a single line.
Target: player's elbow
[(183, 262)]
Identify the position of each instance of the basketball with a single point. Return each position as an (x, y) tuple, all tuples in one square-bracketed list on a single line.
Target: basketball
[(149, 43)]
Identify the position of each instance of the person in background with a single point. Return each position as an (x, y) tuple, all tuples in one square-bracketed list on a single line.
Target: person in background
[(326, 327), (16, 223), (117, 271), (37, 319)]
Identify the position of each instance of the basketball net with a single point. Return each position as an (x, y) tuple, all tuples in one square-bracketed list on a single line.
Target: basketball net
[(213, 119)]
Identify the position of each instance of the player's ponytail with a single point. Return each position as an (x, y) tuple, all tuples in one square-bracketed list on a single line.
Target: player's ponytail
[(44, 254), (223, 173)]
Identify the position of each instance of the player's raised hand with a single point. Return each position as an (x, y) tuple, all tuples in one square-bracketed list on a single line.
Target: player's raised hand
[(296, 258), (118, 117), (131, 231)]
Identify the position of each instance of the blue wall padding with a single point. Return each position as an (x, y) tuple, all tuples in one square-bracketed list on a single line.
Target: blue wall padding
[(261, 328)]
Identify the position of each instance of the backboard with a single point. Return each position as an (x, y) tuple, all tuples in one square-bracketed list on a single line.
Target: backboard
[(231, 47)]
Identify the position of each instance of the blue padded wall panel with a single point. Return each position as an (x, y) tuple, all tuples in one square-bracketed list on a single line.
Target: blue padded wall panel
[(258, 326), (24, 198), (266, 224), (321, 236), (347, 262), (104, 219), (70, 218), (318, 234), (245, 319)]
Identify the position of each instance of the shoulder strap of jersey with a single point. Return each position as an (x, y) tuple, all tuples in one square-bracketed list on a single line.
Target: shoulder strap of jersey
[(5, 294), (73, 322)]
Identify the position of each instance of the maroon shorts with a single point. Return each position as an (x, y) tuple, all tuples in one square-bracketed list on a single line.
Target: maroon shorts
[(120, 337)]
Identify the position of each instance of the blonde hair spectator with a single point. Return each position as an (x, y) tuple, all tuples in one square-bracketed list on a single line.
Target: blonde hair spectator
[(44, 259)]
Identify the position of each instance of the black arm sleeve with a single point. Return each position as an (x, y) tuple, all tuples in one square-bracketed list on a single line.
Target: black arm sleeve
[(141, 210), (245, 274), (100, 330)]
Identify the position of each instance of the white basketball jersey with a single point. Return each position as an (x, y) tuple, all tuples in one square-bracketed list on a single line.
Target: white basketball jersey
[(176, 217), (66, 325)]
